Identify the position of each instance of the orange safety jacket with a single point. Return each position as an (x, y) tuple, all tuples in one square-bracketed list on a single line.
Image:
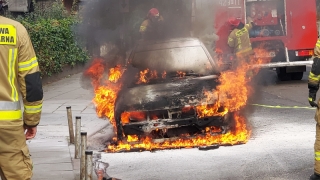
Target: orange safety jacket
[(19, 73)]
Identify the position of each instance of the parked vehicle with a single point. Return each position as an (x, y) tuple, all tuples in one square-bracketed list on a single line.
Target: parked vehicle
[(162, 102)]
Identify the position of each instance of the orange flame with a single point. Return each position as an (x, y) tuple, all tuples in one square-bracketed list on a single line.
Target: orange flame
[(143, 76), (146, 75), (234, 88), (181, 74), (210, 110), (133, 138), (138, 116), (115, 74), (125, 118), (164, 75), (105, 94), (238, 136), (95, 72), (104, 101)]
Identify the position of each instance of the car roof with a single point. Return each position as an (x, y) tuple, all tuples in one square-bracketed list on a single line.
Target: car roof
[(167, 44)]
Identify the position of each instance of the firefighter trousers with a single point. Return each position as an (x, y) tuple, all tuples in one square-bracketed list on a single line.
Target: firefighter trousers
[(15, 161)]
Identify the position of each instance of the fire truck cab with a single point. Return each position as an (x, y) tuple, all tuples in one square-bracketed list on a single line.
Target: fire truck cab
[(285, 29)]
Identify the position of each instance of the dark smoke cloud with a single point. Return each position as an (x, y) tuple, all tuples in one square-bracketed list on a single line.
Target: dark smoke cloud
[(116, 33), (104, 23)]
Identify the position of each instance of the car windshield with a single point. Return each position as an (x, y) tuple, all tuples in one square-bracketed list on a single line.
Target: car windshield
[(189, 60)]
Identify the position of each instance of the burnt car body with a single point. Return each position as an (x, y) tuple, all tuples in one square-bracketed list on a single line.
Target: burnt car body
[(165, 107)]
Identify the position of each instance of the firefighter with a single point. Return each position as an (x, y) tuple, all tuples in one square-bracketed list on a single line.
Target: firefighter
[(151, 27), (239, 39), (313, 86), (19, 74)]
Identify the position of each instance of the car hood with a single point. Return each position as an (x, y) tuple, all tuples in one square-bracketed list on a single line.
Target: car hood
[(175, 94)]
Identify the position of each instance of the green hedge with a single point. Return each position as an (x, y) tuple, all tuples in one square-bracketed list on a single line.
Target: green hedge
[(54, 39)]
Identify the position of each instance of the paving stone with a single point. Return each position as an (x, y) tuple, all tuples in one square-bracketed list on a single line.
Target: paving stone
[(89, 111), (54, 160), (51, 107), (74, 107), (46, 154), (36, 149), (74, 112), (53, 175)]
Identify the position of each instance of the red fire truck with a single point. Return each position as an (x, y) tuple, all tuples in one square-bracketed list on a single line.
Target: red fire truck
[(286, 29)]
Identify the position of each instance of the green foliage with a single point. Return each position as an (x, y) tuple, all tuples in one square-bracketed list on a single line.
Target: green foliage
[(52, 33)]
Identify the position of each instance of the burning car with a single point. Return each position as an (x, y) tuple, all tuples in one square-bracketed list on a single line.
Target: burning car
[(174, 93)]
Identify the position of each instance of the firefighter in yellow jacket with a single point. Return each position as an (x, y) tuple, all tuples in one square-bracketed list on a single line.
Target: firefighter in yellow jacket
[(239, 39), (313, 86), (19, 73), (152, 26)]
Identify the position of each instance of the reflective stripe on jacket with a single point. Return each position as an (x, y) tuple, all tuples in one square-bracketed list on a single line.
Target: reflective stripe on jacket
[(10, 110), (19, 73)]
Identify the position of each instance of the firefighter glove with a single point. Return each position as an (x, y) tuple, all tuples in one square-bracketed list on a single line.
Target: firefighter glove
[(312, 98)]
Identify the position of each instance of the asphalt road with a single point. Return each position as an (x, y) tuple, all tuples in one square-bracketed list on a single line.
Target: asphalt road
[(281, 145)]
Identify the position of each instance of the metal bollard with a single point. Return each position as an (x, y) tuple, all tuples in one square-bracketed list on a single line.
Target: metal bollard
[(70, 124), (83, 155), (89, 165), (78, 138)]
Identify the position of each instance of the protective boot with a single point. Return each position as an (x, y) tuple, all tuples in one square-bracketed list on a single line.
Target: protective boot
[(315, 176)]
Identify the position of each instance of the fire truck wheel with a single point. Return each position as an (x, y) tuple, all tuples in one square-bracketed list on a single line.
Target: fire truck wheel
[(283, 75), (297, 76)]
